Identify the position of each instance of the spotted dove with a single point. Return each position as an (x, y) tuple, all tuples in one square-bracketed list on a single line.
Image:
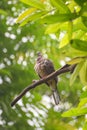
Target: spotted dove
[(44, 67)]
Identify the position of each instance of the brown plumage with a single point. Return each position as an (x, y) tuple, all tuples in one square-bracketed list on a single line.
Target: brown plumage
[(44, 67)]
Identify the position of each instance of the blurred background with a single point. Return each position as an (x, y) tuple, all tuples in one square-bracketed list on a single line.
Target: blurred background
[(18, 48)]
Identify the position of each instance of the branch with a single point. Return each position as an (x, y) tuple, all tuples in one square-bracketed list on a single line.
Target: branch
[(62, 70)]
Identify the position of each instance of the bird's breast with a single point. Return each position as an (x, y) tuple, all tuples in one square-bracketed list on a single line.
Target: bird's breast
[(40, 69)]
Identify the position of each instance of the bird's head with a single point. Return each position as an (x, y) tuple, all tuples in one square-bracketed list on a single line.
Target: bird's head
[(39, 56)]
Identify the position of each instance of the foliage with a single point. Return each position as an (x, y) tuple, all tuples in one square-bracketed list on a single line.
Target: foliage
[(57, 28)]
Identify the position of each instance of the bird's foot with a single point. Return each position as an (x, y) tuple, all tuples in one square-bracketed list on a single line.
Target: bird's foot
[(34, 81)]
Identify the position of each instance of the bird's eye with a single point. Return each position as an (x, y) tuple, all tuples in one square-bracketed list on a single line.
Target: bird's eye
[(46, 62)]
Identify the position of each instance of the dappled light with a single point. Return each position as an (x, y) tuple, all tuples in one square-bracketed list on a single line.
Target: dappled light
[(57, 29)]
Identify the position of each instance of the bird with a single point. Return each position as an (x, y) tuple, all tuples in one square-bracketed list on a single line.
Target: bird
[(43, 68)]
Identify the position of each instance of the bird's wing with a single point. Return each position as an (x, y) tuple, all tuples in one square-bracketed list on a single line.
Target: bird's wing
[(49, 67)]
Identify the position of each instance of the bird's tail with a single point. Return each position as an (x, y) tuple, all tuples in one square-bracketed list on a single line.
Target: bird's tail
[(56, 97)]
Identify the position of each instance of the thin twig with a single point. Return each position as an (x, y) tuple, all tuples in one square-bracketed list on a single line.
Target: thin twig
[(64, 69)]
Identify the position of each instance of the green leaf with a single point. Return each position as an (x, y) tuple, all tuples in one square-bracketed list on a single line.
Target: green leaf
[(52, 28), (83, 73), (64, 41), (75, 60), (83, 102), (67, 37), (83, 11), (3, 12), (25, 14), (70, 29), (85, 125), (78, 25), (75, 73), (60, 5), (80, 2), (75, 112), (78, 34), (33, 17), (84, 94), (50, 19), (84, 19), (79, 44), (34, 3)]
